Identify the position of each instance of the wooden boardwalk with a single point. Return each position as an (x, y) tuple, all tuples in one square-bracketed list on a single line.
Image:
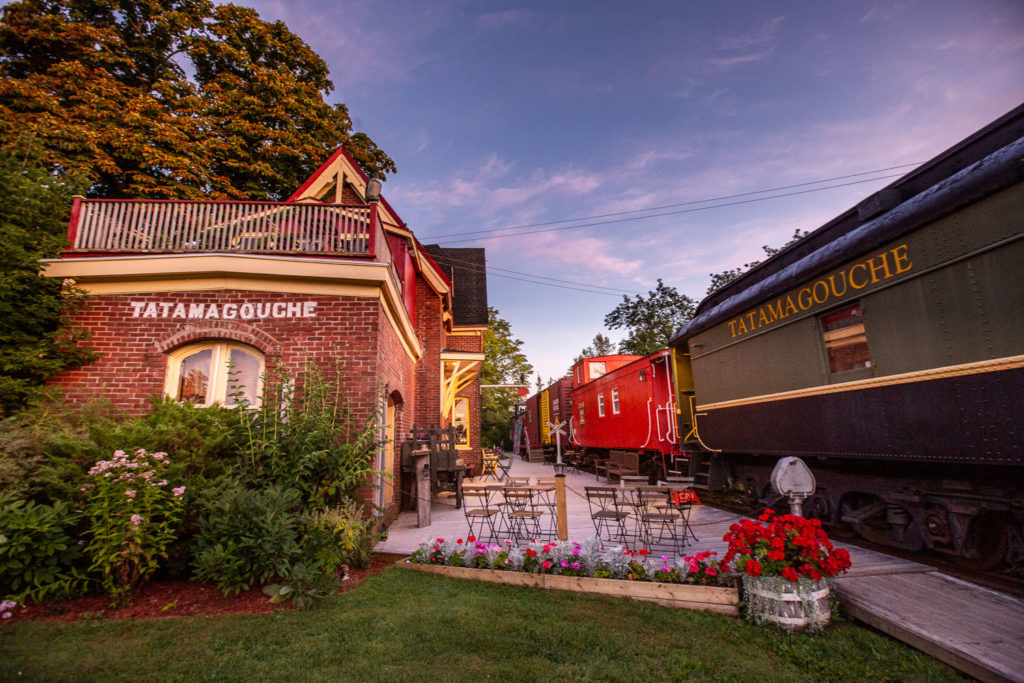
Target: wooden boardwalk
[(976, 630)]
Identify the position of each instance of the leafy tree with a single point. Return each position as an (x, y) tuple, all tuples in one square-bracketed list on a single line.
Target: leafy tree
[(504, 363), (650, 320), (34, 209), (719, 280), (170, 98), (601, 346)]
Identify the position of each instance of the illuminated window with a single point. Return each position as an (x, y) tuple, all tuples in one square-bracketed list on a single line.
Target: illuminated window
[(215, 372), (846, 339), (597, 369), (615, 401), (600, 405), (460, 420), (583, 420)]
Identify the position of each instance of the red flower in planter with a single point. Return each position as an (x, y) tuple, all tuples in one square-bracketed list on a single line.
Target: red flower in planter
[(784, 545)]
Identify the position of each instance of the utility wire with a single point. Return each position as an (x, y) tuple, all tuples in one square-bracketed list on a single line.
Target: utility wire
[(473, 267), (667, 213), (689, 203)]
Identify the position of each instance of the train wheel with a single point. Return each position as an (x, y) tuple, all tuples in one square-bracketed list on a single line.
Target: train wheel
[(818, 507), (986, 543), (752, 493)]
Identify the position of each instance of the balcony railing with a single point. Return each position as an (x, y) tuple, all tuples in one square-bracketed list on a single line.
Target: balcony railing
[(103, 226)]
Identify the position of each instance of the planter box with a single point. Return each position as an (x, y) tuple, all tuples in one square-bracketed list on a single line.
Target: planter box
[(684, 596)]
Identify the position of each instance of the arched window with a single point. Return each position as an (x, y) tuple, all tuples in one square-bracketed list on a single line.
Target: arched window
[(215, 372)]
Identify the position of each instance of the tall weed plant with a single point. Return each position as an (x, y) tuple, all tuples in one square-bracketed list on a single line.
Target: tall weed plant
[(308, 439)]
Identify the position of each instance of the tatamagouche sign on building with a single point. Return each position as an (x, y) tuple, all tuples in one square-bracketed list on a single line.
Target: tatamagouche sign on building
[(181, 293)]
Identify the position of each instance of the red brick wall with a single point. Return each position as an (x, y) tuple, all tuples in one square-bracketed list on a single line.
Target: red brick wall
[(132, 368), (430, 330)]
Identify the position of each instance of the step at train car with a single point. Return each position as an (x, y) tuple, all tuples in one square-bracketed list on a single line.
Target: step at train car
[(886, 348)]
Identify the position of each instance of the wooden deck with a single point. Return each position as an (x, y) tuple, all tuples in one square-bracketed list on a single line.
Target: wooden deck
[(976, 630)]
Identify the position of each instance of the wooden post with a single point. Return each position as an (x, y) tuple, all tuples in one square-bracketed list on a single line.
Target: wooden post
[(563, 523)]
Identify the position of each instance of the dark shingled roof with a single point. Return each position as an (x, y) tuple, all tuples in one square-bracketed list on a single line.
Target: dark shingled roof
[(467, 269)]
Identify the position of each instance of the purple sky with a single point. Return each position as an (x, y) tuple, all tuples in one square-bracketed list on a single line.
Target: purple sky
[(511, 114)]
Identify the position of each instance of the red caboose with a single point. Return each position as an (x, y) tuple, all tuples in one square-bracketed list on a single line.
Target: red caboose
[(549, 405), (627, 403)]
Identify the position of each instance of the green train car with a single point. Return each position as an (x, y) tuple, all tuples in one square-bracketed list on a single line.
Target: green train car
[(886, 348)]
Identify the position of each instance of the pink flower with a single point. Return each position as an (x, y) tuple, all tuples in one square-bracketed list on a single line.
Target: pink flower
[(130, 493), (178, 491), (136, 520)]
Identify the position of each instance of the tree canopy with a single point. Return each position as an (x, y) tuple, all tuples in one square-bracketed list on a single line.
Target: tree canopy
[(650, 320), (170, 98), (721, 279), (34, 208), (504, 363), (601, 346)]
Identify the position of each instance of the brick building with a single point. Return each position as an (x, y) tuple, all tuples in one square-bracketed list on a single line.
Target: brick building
[(182, 292)]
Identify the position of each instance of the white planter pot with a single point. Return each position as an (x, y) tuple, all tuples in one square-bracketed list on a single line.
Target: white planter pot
[(791, 605)]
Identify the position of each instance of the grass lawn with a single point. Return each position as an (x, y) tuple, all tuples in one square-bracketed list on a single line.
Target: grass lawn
[(400, 625)]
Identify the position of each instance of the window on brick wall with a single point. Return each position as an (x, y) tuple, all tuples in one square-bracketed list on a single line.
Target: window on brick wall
[(215, 372), (460, 420)]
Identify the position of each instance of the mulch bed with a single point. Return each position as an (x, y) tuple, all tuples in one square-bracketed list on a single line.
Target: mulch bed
[(163, 599)]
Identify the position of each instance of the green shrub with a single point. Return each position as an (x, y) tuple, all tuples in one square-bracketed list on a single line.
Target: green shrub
[(343, 535), (133, 517), (309, 441), (247, 537), (38, 552)]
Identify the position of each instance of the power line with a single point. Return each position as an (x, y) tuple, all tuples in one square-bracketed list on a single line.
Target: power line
[(667, 213), (673, 206), (473, 267)]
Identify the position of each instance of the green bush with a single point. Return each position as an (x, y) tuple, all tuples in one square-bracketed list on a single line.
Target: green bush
[(247, 537), (308, 440), (38, 553), (343, 535), (133, 517)]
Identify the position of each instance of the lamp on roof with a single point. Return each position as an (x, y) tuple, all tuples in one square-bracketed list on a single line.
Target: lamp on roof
[(373, 189)]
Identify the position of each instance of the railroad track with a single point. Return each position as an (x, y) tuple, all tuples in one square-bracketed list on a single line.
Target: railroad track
[(1004, 580)]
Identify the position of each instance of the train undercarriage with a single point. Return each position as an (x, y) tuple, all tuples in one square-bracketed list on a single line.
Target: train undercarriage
[(974, 515)]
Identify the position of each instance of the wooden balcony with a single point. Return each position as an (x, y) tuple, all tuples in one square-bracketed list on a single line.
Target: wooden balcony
[(107, 227)]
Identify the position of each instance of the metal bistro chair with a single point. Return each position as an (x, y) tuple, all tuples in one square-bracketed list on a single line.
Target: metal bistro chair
[(489, 466), (524, 513), (660, 521), (684, 507), (504, 464), (545, 496), (607, 517), (630, 504), (481, 512)]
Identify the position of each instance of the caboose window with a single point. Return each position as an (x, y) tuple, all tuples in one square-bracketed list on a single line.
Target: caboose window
[(597, 369), (583, 420), (846, 339), (600, 405), (615, 401)]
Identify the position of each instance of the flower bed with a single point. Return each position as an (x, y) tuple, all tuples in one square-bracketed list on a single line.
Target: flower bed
[(696, 582)]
